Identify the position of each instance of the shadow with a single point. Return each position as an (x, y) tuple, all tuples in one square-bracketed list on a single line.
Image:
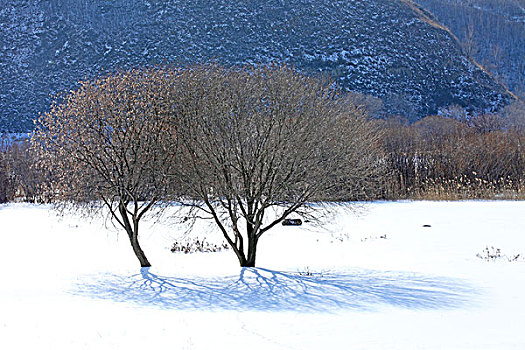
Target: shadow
[(258, 289)]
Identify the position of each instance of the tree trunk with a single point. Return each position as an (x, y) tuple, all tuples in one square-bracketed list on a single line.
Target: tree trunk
[(132, 232), (249, 260), (242, 260), (252, 252), (249, 263), (139, 253)]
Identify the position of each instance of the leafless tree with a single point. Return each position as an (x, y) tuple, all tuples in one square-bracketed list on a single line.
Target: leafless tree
[(6, 177), (257, 139), (443, 158), (100, 146), (469, 42)]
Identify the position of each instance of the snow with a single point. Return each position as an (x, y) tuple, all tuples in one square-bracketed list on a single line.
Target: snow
[(371, 278)]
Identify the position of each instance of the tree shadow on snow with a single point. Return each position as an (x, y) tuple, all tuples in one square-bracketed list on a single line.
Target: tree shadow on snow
[(267, 290)]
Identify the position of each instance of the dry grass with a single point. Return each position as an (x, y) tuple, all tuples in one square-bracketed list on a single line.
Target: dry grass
[(463, 187)]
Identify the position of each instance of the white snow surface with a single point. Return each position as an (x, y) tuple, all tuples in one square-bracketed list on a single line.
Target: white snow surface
[(72, 283)]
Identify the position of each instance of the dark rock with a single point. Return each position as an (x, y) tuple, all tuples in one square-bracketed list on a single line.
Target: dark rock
[(292, 222)]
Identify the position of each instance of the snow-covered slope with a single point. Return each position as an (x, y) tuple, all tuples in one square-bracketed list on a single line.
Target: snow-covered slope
[(374, 278), (387, 48)]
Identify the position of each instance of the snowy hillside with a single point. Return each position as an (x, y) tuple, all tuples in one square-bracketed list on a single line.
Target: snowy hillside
[(389, 49), (401, 275)]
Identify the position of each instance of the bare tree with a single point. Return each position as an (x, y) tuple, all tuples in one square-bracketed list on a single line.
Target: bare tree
[(257, 139), (100, 145), (469, 42)]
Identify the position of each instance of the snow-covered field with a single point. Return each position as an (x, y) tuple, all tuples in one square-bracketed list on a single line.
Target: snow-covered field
[(371, 279)]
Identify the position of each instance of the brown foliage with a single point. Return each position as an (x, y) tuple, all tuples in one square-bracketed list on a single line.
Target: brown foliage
[(442, 158), (19, 180)]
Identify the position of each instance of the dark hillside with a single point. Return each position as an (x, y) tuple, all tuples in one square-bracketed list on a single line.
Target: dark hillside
[(386, 48)]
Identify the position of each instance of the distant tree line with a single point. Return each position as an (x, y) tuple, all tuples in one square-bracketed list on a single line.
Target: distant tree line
[(438, 157), (18, 177), (456, 157)]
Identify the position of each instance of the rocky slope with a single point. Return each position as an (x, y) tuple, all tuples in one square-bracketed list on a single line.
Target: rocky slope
[(387, 48)]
